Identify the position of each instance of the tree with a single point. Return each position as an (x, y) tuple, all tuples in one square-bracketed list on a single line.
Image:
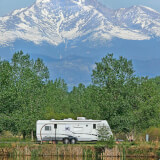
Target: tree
[(103, 133), (111, 72), (148, 111), (29, 79), (7, 88), (116, 86), (56, 100), (76, 99)]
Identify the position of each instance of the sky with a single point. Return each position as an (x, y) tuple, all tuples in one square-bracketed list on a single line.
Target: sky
[(7, 6)]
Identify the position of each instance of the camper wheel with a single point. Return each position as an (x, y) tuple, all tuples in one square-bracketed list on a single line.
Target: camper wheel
[(65, 141), (73, 141)]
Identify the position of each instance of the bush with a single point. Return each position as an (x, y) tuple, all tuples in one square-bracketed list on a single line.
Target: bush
[(153, 132), (6, 134), (108, 143)]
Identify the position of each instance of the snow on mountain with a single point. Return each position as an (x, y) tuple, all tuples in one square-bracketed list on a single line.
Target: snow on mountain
[(140, 18), (58, 21)]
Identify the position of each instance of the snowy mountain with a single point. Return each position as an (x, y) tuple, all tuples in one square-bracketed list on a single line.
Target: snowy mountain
[(141, 18), (58, 21), (71, 35)]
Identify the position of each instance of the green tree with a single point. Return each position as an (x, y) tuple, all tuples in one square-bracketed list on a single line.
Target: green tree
[(116, 86), (76, 100), (29, 78), (56, 100), (148, 111), (112, 72), (7, 96)]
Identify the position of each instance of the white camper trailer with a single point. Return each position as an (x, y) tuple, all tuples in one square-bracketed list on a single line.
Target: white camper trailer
[(69, 130)]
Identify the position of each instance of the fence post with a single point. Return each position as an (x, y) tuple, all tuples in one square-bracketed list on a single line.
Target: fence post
[(147, 138)]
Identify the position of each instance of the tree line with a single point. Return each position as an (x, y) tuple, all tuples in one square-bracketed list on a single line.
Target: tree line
[(116, 94)]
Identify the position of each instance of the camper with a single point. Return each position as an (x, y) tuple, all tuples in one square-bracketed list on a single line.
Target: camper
[(69, 130)]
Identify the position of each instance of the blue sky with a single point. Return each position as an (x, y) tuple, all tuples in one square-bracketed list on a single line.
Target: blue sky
[(6, 6), (155, 4)]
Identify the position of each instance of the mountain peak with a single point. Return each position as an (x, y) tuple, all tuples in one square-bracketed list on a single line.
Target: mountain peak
[(42, 1), (144, 8), (85, 2)]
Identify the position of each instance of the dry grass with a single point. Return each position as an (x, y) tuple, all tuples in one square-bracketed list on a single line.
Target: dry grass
[(138, 149)]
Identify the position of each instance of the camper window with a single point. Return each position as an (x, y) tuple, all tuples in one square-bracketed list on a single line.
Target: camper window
[(55, 126), (94, 126), (47, 128)]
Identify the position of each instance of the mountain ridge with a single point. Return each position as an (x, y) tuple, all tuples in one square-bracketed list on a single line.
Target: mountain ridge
[(57, 21)]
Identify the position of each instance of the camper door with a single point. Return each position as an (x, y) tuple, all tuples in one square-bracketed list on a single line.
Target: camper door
[(47, 132)]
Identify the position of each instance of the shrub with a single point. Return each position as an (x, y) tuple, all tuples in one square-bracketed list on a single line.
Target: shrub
[(153, 132)]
